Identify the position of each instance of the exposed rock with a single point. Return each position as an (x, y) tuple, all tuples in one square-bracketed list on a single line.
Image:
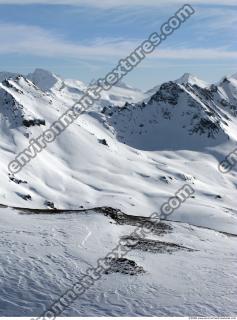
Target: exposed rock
[(26, 197), (154, 246), (124, 266), (157, 227), (33, 122), (15, 180), (103, 141), (49, 204)]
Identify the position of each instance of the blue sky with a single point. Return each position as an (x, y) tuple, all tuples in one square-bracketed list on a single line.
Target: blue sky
[(84, 39)]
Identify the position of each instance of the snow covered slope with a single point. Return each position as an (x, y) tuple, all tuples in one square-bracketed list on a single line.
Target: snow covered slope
[(48, 81), (188, 78), (132, 151), (132, 157), (187, 271)]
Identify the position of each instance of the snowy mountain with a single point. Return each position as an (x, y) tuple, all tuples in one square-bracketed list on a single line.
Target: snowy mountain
[(5, 75), (169, 134), (45, 80), (188, 78), (126, 156)]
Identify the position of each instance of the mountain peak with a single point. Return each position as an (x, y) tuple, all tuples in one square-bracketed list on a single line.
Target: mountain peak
[(124, 85), (44, 79), (191, 79), (187, 77), (234, 76), (6, 75)]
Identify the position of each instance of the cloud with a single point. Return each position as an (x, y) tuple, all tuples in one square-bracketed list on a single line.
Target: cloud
[(25, 39), (217, 19), (119, 3), (196, 54), (36, 41)]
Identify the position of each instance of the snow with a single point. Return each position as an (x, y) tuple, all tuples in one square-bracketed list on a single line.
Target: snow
[(234, 76), (155, 143), (45, 254), (45, 80), (145, 143), (5, 75), (191, 79), (186, 78)]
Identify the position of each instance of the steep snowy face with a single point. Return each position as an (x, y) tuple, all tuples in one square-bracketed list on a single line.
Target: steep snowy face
[(152, 91), (176, 117), (17, 99), (188, 78), (228, 87), (11, 110), (45, 80), (7, 75), (234, 76)]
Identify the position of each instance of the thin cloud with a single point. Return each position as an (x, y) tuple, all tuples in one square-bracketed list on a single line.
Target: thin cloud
[(35, 41), (196, 54)]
